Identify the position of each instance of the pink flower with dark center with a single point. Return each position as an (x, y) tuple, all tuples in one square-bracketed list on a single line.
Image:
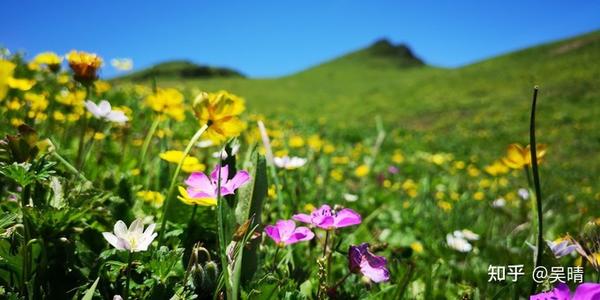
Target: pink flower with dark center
[(362, 261), (326, 218), (285, 232), (200, 186)]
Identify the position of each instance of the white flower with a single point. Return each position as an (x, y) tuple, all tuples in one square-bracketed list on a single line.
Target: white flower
[(500, 202), (289, 163), (523, 193), (134, 239), (204, 144), (458, 243), (104, 111), (223, 154), (117, 297), (350, 197)]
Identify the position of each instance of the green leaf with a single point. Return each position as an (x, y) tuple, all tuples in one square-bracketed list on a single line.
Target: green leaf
[(90, 292), (250, 203)]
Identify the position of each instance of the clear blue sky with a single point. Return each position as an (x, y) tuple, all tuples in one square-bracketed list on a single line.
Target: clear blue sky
[(273, 38)]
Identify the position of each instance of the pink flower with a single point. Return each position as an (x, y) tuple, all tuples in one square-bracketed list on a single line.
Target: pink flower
[(200, 186), (361, 260), (585, 291), (285, 232), (326, 218)]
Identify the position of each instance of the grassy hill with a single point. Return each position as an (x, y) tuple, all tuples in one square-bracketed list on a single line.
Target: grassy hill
[(476, 109), (178, 69)]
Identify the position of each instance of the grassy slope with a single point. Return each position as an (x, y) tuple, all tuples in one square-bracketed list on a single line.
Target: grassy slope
[(476, 109)]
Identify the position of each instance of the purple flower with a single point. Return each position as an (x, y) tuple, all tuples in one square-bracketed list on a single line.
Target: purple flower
[(361, 260), (200, 186), (285, 232), (585, 291), (326, 218), (393, 170)]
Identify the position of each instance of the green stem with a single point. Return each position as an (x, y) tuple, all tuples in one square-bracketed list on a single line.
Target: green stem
[(325, 244), (275, 260), (69, 166), (83, 129), (147, 140), (167, 203), (221, 237), (129, 261), (536, 182)]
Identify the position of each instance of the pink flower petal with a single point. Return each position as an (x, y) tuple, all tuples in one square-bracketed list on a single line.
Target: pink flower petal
[(347, 217), (304, 218), (285, 228), (587, 291), (273, 233), (373, 273), (200, 182), (214, 175)]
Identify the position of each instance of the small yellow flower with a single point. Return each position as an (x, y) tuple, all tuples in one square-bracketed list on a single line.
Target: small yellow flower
[(272, 191), (496, 168), (387, 183), (478, 196), (455, 196), (62, 78), (168, 102), (337, 174), (101, 86), (362, 170), (154, 198), (518, 157), (135, 172), (315, 143), (309, 208), (14, 104), (485, 183), (16, 122), (445, 205), (69, 98), (412, 193), (296, 141), (99, 136), (6, 71), (417, 247), (340, 160), (84, 65), (473, 171), (398, 157), (186, 199), (328, 148), (137, 142), (220, 111), (58, 116), (459, 165), (20, 84), (190, 164), (37, 102), (50, 59)]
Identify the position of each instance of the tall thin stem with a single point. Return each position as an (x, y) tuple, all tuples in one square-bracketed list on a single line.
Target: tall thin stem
[(129, 261), (167, 203), (83, 129), (147, 140), (536, 181)]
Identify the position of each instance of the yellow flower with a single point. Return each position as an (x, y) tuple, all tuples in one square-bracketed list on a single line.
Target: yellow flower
[(84, 65), (328, 148), (50, 59), (478, 196), (99, 136), (496, 168), (296, 141), (340, 160), (167, 101), (37, 102), (16, 122), (272, 191), (62, 78), (220, 111), (190, 164), (6, 71), (398, 157), (337, 174), (185, 198), (315, 142), (361, 171), (459, 165), (485, 183), (154, 198), (445, 205), (473, 171), (417, 247), (15, 104), (58, 116), (309, 208), (518, 157), (67, 97), (20, 84), (101, 86)]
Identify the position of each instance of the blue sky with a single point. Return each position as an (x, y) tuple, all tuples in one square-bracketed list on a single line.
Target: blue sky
[(274, 38)]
